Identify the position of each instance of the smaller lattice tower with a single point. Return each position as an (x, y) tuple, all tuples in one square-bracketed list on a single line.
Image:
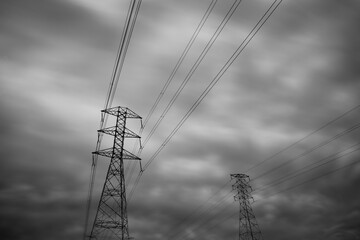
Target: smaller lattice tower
[(248, 227)]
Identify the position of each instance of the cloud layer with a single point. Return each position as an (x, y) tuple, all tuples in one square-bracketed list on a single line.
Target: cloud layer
[(300, 72)]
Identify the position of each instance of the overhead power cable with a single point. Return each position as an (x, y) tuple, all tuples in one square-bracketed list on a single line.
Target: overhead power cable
[(308, 168), (353, 128), (199, 209), (212, 226), (181, 59), (135, 185), (187, 78), (194, 67), (305, 137), (132, 170), (204, 222), (241, 47), (174, 71), (213, 213), (123, 46), (198, 213), (312, 179), (239, 50)]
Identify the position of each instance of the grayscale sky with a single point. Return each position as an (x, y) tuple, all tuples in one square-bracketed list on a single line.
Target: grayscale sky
[(298, 73)]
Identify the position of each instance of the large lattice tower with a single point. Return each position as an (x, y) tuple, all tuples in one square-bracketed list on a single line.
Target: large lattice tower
[(248, 227), (111, 221)]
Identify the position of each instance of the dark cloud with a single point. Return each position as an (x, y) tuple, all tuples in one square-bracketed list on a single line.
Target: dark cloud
[(298, 73), (26, 219), (303, 212)]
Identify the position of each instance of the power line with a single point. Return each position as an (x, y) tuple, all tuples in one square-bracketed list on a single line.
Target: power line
[(205, 222), (242, 46), (305, 137), (221, 221), (123, 46), (181, 59), (287, 189), (129, 177), (194, 67), (199, 212), (212, 214), (312, 179), (253, 32), (200, 208), (353, 128), (306, 169), (330, 158), (215, 223), (135, 185), (174, 71), (335, 156)]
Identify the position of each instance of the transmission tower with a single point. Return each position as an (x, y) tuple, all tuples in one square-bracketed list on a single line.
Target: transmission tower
[(248, 227), (111, 221)]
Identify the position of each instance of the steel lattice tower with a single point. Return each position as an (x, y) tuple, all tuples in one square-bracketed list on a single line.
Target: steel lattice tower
[(248, 227), (111, 217)]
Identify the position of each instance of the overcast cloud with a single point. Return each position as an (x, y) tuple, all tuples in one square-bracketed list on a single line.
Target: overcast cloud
[(300, 72)]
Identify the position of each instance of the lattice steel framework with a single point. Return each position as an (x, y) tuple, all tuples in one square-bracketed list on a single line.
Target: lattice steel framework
[(248, 227), (111, 221)]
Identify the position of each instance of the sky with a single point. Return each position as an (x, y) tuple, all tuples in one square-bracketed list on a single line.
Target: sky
[(297, 74)]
